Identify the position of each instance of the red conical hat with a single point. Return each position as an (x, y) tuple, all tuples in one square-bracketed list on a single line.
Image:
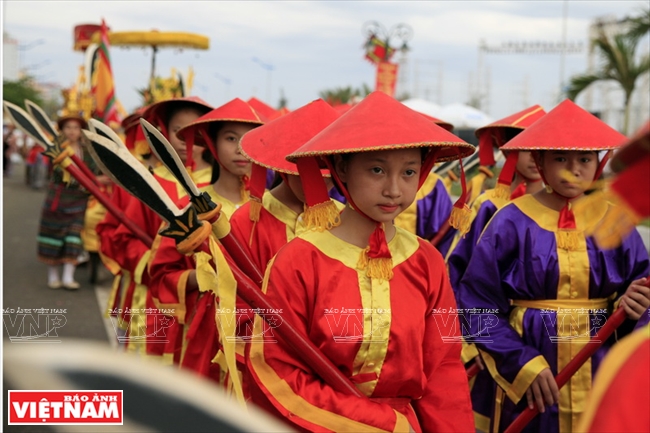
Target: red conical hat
[(236, 110), (380, 122), (158, 113), (441, 123), (133, 119), (567, 127), (266, 112), (269, 144), (637, 149), (492, 135), (279, 113)]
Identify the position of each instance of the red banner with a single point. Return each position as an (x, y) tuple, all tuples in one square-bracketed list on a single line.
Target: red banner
[(386, 78)]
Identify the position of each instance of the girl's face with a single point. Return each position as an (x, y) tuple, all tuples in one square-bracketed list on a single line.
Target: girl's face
[(581, 165), (227, 141), (178, 120), (526, 165), (382, 184), (72, 131)]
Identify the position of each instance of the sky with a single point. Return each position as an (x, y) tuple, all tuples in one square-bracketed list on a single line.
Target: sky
[(318, 45)]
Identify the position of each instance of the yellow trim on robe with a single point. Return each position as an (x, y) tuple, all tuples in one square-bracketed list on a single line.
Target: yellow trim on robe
[(498, 407), (141, 267), (468, 352), (283, 213), (609, 369), (375, 296), (115, 289), (138, 302), (516, 390), (179, 308), (110, 264), (371, 355), (573, 285), (227, 206), (408, 218), (199, 177), (124, 287), (517, 319), (482, 423)]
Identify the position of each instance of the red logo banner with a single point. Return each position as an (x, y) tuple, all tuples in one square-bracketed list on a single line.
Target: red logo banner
[(65, 407), (386, 78)]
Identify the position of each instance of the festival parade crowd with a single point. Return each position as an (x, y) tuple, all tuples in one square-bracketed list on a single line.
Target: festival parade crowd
[(325, 275)]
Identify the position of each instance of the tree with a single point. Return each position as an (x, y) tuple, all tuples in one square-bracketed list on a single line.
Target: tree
[(17, 91), (344, 95), (619, 63), (639, 26)]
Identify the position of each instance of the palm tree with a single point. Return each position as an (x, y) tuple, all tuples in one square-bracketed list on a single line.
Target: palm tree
[(618, 63), (639, 26)]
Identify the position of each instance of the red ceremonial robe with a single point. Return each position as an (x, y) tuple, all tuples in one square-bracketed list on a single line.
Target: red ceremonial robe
[(386, 336), (134, 257)]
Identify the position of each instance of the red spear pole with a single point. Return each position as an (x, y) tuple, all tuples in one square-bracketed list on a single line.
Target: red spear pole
[(84, 169), (239, 254), (303, 347), (473, 370), (78, 174), (574, 365)]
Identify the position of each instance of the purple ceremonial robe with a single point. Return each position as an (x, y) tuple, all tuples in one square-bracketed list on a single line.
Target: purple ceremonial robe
[(483, 388), (483, 209), (429, 212), (643, 320), (530, 305)]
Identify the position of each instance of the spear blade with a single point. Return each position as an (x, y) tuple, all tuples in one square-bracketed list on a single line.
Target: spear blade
[(131, 176), (165, 152), (124, 169), (23, 121), (104, 130), (41, 118)]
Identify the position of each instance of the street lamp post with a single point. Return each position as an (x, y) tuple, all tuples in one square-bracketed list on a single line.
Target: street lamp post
[(269, 68)]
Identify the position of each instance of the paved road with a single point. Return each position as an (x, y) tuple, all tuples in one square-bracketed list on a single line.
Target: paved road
[(24, 277)]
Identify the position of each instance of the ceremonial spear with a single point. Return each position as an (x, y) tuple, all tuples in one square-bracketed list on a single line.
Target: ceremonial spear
[(190, 234), (62, 156), (45, 123), (202, 202), (574, 365)]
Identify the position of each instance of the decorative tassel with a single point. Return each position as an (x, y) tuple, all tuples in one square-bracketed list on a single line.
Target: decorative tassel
[(255, 209), (380, 268), (501, 191), (460, 218), (569, 239), (323, 216)]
